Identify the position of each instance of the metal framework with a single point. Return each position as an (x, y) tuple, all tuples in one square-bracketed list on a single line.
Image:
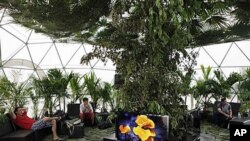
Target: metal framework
[(37, 66), (227, 57)]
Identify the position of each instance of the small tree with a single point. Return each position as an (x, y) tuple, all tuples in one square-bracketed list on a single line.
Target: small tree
[(15, 93), (75, 87), (244, 91), (92, 87)]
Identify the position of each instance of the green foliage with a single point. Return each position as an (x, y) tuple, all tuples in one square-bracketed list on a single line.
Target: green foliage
[(81, 19), (76, 88), (209, 88), (92, 87), (99, 91), (61, 18), (148, 48), (14, 93), (244, 91), (54, 85)]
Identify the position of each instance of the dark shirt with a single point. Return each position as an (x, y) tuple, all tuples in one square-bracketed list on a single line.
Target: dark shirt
[(224, 108)]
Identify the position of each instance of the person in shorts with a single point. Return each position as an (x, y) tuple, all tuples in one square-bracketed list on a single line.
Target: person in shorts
[(21, 119)]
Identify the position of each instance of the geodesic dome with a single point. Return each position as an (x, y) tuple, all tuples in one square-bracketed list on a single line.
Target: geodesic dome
[(25, 53)]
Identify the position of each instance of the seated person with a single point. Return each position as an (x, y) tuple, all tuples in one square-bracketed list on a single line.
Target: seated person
[(223, 114), (86, 111), (21, 119)]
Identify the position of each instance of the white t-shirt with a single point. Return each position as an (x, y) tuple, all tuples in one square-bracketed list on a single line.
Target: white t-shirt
[(86, 109)]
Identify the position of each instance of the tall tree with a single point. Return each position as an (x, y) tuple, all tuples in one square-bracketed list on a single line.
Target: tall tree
[(147, 40)]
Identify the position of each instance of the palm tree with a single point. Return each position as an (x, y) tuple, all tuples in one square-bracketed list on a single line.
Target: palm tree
[(106, 94), (244, 91), (76, 87), (14, 93), (92, 87), (54, 85), (43, 89), (225, 85), (59, 83), (204, 86)]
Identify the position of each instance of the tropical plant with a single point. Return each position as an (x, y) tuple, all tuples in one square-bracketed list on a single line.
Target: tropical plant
[(147, 40), (59, 18), (225, 85), (107, 96), (75, 87), (35, 100), (209, 88), (64, 18), (2, 108), (54, 85), (244, 91), (205, 87), (59, 83), (43, 89), (92, 87), (15, 93)]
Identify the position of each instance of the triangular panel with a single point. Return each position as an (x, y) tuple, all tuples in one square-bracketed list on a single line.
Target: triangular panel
[(38, 51), (245, 47), (74, 62), (204, 59), (51, 60), (67, 51), (18, 31), (22, 54), (9, 45), (218, 51), (235, 58)]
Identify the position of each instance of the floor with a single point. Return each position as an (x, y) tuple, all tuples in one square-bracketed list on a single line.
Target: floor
[(209, 132), (91, 134)]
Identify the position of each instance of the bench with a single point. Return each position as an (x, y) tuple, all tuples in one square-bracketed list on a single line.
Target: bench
[(10, 132)]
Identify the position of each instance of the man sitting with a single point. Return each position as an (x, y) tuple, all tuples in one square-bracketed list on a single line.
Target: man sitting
[(21, 119), (86, 111), (223, 114)]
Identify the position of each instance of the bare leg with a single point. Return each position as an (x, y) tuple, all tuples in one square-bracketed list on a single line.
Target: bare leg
[(49, 119), (53, 122)]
